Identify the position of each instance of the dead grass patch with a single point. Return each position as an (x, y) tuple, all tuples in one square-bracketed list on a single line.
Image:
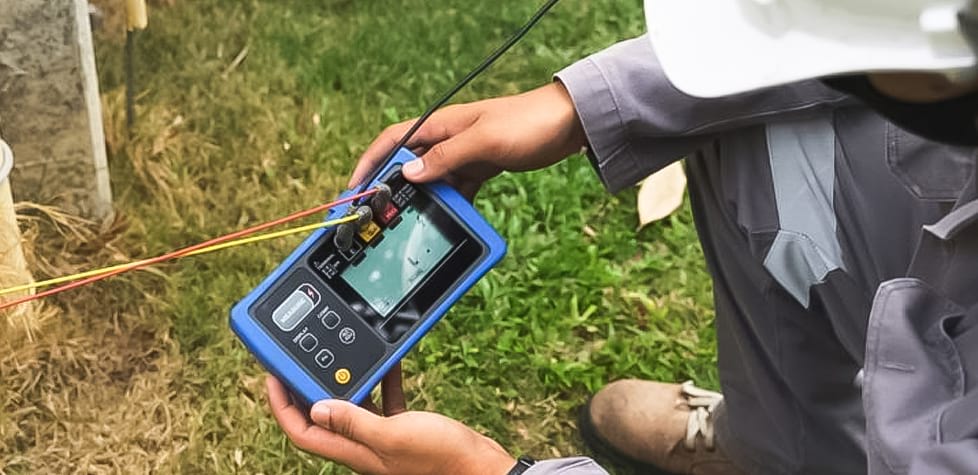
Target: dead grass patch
[(88, 388)]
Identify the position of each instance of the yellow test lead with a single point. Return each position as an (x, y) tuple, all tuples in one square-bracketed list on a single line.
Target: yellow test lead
[(204, 250)]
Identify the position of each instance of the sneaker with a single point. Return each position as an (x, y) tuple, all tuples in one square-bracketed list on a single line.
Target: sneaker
[(656, 428)]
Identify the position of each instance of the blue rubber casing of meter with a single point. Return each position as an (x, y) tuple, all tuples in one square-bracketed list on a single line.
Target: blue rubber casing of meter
[(299, 377)]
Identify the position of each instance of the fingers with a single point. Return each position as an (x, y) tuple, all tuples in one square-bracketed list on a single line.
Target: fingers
[(392, 392), (377, 150), (442, 125), (447, 156), (312, 438), (349, 421), (288, 415)]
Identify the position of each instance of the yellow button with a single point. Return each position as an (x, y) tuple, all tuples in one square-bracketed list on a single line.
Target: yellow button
[(342, 376), (369, 232)]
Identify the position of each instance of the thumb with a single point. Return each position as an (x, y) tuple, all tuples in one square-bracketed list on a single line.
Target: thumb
[(348, 420), (414, 170), (447, 157)]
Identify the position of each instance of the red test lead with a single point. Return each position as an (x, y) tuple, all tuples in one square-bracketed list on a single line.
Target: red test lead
[(184, 251)]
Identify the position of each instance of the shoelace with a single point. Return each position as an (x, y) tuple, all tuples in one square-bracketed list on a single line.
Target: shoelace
[(702, 404)]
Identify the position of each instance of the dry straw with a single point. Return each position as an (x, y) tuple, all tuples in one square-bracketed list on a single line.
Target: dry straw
[(86, 391), (90, 387)]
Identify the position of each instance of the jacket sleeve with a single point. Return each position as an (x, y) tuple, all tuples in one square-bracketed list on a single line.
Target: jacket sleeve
[(636, 122), (956, 450), (566, 466)]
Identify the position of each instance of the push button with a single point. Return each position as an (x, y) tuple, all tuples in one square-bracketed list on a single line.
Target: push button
[(293, 309), (347, 335), (331, 320), (307, 341), (324, 358), (342, 376)]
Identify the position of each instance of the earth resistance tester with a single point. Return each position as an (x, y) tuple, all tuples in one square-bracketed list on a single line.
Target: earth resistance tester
[(351, 300)]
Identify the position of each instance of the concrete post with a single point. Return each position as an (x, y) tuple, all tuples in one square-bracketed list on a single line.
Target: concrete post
[(50, 112)]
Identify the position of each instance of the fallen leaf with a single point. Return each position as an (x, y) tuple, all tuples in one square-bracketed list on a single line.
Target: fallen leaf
[(661, 194)]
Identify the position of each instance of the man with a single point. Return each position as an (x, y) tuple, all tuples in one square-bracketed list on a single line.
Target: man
[(843, 248)]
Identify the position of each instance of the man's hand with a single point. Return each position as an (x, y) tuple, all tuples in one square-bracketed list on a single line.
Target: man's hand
[(405, 443), (467, 144)]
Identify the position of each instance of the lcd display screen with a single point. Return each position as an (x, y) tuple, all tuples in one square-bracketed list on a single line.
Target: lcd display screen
[(407, 254)]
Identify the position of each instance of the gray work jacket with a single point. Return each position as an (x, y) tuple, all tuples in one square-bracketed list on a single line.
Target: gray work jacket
[(844, 253)]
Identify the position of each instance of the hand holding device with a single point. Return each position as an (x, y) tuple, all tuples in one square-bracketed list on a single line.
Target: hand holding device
[(406, 443), (467, 144)]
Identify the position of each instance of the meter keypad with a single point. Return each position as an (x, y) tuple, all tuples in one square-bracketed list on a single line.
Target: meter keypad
[(328, 336)]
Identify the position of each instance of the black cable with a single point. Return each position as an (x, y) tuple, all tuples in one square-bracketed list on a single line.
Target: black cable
[(458, 86)]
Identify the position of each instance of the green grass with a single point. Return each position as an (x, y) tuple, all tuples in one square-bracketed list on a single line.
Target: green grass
[(218, 148)]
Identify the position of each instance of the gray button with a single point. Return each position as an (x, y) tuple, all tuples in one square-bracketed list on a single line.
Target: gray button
[(331, 320), (306, 341), (347, 335), (324, 358), (292, 310)]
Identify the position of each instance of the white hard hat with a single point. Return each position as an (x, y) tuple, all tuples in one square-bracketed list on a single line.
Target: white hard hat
[(711, 48)]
